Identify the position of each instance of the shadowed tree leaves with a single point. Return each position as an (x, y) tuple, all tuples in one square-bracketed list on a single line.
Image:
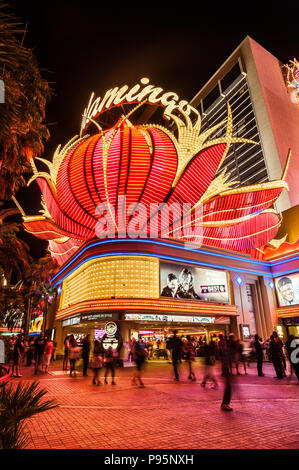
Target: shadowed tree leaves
[(17, 405), (22, 130)]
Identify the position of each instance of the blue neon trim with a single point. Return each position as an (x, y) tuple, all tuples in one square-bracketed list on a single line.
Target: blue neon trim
[(282, 273), (172, 258), (274, 263), (114, 240)]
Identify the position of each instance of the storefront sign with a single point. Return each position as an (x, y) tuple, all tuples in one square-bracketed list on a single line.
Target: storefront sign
[(287, 289), (112, 337), (187, 282), (96, 316), (36, 325), (168, 318), (71, 321)]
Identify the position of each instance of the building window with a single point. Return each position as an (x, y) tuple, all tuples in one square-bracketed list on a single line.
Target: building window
[(231, 76)]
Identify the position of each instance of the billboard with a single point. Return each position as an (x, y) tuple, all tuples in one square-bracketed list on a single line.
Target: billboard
[(287, 289), (182, 281)]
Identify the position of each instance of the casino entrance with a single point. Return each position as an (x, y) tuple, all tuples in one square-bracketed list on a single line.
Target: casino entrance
[(156, 333)]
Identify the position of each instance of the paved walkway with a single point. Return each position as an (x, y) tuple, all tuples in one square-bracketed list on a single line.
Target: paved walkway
[(165, 414)]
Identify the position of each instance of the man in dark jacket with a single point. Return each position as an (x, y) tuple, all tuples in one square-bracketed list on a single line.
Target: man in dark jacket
[(39, 348), (259, 347), (175, 345), (85, 353), (275, 357)]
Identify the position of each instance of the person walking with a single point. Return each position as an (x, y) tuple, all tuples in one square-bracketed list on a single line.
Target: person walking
[(259, 347), (73, 355), (227, 356), (210, 360), (275, 357), (189, 351), (176, 346), (168, 351), (66, 352), (30, 352), (39, 348), (139, 355), (48, 354), (17, 356), (109, 363), (85, 353), (240, 357), (96, 362), (282, 356), (11, 344)]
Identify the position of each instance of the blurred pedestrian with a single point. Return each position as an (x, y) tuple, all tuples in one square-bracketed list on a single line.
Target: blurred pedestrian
[(240, 357), (85, 353), (227, 356), (17, 356), (221, 347), (176, 346), (39, 348), (66, 352), (282, 355), (275, 357), (259, 347), (11, 343), (109, 363), (189, 351), (73, 355), (30, 352), (232, 345), (139, 356), (48, 354), (210, 360), (131, 347), (96, 362)]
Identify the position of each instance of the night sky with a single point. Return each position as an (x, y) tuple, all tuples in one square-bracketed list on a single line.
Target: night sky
[(93, 46)]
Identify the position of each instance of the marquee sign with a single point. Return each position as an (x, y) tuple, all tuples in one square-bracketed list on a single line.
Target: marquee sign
[(140, 181)]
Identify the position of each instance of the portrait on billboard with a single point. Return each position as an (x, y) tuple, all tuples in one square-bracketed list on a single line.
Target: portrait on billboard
[(187, 282), (287, 289)]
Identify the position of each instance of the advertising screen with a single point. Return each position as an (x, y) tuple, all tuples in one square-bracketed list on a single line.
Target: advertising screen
[(187, 282), (287, 289)]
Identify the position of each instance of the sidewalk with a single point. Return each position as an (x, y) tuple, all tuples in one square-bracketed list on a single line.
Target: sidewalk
[(165, 414)]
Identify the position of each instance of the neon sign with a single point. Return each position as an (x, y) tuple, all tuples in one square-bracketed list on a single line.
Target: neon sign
[(292, 80), (118, 96)]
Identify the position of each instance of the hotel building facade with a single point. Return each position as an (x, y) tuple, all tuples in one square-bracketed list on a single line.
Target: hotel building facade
[(151, 286)]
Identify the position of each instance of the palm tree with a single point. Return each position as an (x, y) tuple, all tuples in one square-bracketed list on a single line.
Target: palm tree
[(17, 405), (38, 287), (14, 256), (22, 131)]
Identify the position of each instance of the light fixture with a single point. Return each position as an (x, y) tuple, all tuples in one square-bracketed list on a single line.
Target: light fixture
[(239, 280), (271, 285)]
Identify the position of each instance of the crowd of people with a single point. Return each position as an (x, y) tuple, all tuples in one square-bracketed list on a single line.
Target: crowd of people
[(38, 351), (227, 349)]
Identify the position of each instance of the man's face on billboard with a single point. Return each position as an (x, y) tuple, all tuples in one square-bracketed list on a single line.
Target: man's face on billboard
[(173, 284), (287, 292)]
